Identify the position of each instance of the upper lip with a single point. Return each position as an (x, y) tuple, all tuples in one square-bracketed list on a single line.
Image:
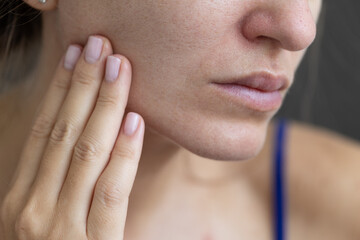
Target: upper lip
[(263, 81)]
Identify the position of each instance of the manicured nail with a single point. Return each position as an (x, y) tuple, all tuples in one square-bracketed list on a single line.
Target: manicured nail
[(131, 123), (112, 68), (72, 55), (93, 49)]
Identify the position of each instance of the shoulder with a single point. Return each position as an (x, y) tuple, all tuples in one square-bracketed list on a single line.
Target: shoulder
[(324, 173), (324, 146)]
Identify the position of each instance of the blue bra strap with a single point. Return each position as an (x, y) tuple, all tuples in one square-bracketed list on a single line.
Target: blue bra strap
[(279, 182)]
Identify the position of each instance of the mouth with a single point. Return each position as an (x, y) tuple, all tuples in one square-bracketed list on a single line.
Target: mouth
[(263, 81), (259, 91)]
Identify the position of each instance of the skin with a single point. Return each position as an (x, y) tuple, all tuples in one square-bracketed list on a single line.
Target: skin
[(175, 49), (202, 42), (176, 53)]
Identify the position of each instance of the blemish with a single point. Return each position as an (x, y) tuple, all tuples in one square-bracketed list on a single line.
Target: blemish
[(208, 237)]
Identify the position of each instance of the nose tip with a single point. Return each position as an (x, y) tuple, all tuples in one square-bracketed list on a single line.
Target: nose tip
[(293, 29)]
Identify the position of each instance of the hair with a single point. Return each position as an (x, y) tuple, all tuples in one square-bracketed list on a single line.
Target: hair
[(20, 41)]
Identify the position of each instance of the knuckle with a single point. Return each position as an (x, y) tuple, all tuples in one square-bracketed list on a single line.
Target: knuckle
[(42, 126), (108, 100), (124, 152), (62, 131), (11, 204), (87, 150), (63, 229), (62, 83), (111, 194), (84, 77), (6, 209), (28, 226)]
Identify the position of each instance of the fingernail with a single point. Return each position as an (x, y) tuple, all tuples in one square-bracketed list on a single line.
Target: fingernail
[(93, 49), (112, 68), (72, 55), (131, 123)]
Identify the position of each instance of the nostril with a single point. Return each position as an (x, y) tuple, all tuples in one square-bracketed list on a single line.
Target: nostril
[(266, 40)]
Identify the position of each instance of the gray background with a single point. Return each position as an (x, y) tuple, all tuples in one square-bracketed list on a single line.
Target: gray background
[(326, 91)]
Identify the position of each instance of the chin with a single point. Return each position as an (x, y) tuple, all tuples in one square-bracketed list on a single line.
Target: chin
[(233, 145), (228, 141)]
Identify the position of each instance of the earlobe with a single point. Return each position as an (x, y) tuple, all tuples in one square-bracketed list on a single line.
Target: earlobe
[(42, 5)]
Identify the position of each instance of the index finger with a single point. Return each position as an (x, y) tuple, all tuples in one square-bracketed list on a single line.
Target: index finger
[(37, 140)]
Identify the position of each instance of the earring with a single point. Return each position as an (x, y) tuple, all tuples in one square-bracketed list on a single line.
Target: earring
[(42, 1)]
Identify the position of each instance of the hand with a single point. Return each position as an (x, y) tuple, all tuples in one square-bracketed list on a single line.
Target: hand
[(78, 166)]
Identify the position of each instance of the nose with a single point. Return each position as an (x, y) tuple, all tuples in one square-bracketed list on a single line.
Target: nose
[(288, 22)]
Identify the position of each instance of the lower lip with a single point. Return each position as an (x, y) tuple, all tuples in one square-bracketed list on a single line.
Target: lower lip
[(252, 98)]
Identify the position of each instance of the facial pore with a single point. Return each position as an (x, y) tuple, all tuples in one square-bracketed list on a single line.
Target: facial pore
[(178, 47)]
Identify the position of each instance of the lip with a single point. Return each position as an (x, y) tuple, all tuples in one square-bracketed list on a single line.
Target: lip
[(259, 91), (263, 81)]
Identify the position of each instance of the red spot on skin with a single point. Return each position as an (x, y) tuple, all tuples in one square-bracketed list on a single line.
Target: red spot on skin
[(207, 237)]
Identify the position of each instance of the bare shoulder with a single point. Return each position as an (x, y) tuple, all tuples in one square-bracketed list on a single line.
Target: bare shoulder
[(325, 150), (325, 138), (324, 176)]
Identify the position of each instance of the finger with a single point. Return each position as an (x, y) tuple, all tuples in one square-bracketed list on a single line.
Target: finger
[(93, 149), (108, 211), (71, 119), (38, 138)]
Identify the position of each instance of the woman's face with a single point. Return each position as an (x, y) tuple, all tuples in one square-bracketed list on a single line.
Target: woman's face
[(178, 48)]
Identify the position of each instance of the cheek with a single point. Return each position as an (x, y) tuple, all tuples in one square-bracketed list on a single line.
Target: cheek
[(168, 34), (315, 7), (297, 58), (76, 21), (115, 20)]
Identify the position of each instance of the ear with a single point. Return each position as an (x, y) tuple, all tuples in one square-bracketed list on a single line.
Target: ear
[(44, 5)]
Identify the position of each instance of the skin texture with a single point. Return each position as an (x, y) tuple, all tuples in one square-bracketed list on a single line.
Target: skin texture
[(178, 47)]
